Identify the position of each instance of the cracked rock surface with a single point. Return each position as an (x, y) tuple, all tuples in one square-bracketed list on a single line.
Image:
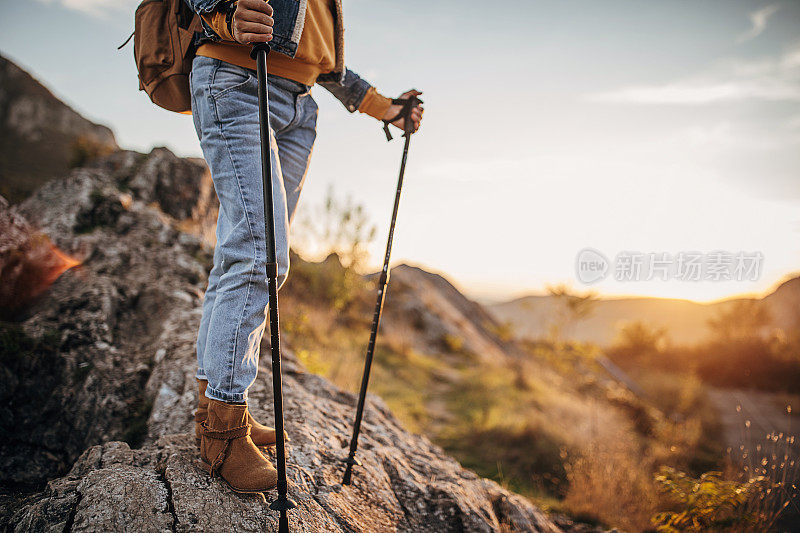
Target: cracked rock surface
[(160, 488), (112, 358)]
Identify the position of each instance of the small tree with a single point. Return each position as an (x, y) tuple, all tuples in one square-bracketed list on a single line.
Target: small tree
[(638, 340), (571, 308), (339, 231), (339, 227)]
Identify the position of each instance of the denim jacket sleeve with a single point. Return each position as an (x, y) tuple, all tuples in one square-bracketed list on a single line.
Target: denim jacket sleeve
[(202, 7), (349, 89)]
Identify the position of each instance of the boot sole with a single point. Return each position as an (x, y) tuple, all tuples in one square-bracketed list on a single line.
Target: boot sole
[(207, 467)]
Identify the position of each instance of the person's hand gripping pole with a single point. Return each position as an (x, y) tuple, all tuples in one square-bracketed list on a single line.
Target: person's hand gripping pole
[(404, 113)]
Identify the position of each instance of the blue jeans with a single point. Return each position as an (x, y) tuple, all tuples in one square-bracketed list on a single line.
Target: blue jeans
[(225, 113)]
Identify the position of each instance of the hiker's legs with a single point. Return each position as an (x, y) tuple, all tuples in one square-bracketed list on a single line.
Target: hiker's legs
[(213, 275), (209, 298), (295, 134), (295, 140), (225, 108)]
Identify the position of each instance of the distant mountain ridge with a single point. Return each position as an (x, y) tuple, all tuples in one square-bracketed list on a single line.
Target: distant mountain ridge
[(40, 136), (686, 322)]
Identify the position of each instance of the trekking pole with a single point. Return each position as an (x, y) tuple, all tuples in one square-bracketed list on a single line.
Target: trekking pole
[(283, 503), (408, 105)]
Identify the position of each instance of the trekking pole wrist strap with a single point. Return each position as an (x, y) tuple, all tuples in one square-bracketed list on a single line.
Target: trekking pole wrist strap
[(405, 113)]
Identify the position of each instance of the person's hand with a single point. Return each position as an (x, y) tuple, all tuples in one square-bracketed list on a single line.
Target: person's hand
[(252, 22), (416, 112)]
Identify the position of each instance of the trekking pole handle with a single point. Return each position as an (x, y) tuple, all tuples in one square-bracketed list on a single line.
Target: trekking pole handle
[(412, 102), (405, 113), (257, 48)]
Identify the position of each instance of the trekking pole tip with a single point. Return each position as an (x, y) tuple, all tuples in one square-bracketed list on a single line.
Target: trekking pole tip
[(351, 461), (283, 523), (283, 504)]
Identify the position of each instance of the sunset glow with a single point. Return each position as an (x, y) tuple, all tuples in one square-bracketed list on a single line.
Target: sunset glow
[(62, 263), (660, 129)]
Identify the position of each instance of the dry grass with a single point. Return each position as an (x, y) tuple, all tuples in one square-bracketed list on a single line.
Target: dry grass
[(775, 459), (323, 345), (610, 482), (562, 432)]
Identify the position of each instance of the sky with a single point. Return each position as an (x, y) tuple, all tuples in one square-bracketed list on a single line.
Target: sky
[(625, 127)]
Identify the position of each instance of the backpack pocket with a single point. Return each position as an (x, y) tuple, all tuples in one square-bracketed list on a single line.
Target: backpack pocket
[(152, 45)]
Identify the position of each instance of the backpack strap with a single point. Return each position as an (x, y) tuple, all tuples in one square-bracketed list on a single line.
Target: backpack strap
[(405, 113), (120, 47)]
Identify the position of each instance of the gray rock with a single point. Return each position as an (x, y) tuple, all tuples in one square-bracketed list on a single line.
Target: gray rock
[(90, 341), (411, 486), (182, 187)]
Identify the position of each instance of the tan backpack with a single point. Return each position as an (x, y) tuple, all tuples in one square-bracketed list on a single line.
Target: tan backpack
[(162, 46)]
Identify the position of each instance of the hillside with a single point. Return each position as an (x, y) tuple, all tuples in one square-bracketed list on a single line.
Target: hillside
[(107, 354), (685, 321), (440, 314), (40, 136), (784, 304)]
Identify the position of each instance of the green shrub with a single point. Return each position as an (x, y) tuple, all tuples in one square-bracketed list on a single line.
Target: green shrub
[(706, 503), (505, 331), (328, 283), (452, 343)]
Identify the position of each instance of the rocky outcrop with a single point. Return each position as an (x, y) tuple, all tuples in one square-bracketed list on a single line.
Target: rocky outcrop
[(180, 187), (40, 136), (436, 317), (107, 355), (77, 360), (406, 484)]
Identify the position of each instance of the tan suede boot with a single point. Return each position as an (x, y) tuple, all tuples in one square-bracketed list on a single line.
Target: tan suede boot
[(202, 410), (227, 451), (262, 435)]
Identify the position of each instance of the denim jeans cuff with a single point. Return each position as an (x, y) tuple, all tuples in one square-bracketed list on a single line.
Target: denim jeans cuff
[(228, 397), (201, 374)]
